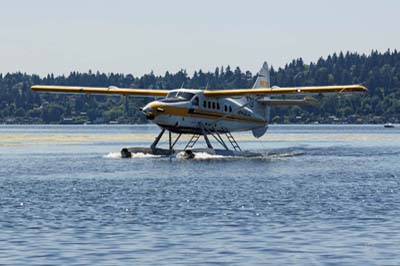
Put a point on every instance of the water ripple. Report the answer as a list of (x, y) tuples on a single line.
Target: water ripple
[(305, 203)]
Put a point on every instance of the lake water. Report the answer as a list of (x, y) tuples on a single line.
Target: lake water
[(320, 195)]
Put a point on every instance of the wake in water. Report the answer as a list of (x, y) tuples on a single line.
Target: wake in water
[(277, 153), (263, 155), (113, 155), (284, 155), (201, 156), (117, 155)]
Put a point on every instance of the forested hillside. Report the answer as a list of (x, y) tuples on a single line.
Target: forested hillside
[(379, 72)]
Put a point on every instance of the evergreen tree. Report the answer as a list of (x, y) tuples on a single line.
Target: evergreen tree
[(380, 72)]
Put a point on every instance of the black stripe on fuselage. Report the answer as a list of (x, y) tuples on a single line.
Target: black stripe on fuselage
[(246, 119), (196, 112)]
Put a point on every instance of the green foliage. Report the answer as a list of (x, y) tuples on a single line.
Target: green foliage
[(379, 72), (113, 114), (52, 113)]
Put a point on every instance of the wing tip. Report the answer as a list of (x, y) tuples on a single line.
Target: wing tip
[(37, 87), (359, 88)]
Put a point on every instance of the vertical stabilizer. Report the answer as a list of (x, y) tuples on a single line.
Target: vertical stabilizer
[(262, 81)]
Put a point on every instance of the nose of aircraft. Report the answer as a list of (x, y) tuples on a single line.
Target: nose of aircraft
[(148, 112)]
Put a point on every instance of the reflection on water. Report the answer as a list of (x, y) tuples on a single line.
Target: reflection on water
[(319, 195)]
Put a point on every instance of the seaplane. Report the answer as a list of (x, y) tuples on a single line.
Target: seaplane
[(211, 114)]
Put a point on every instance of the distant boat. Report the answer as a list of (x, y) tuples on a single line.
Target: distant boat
[(388, 125)]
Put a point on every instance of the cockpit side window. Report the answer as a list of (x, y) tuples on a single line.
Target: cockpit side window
[(187, 96), (172, 94), (195, 101), (178, 96)]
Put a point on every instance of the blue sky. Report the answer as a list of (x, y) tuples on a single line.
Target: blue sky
[(45, 36)]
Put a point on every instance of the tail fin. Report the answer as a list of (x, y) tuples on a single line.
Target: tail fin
[(262, 81)]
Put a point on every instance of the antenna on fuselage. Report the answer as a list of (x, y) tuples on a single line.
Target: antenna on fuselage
[(183, 83), (207, 85)]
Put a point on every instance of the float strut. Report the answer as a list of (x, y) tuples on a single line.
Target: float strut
[(205, 137), (176, 140), (154, 145), (170, 141)]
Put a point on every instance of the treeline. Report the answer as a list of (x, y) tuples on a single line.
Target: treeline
[(380, 72)]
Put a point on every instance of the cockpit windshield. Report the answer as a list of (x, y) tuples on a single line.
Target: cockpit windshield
[(179, 96)]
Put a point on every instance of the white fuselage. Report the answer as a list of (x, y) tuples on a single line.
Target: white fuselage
[(187, 111)]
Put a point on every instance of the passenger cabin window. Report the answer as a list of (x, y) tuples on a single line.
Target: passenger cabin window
[(225, 108), (213, 105), (230, 109), (204, 104), (209, 105), (218, 106)]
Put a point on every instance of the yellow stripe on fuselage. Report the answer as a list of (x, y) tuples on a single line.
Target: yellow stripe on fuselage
[(201, 113)]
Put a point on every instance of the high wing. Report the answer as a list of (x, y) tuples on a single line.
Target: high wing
[(94, 90), (208, 93), (289, 102), (290, 90)]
